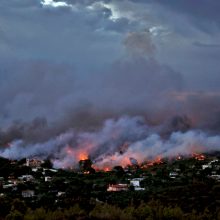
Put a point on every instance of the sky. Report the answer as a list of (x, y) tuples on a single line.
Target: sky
[(74, 63)]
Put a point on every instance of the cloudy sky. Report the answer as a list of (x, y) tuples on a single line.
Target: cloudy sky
[(78, 61)]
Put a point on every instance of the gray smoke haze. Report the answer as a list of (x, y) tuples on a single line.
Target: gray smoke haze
[(140, 43), (68, 67), (107, 148)]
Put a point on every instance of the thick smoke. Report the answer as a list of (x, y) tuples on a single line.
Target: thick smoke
[(44, 100), (114, 144), (79, 126), (89, 63), (140, 42)]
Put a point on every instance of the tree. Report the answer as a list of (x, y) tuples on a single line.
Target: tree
[(38, 214), (143, 212), (119, 171), (74, 212), (86, 165), (47, 201), (129, 213), (22, 161), (14, 215), (47, 164), (19, 206), (5, 206), (170, 213), (106, 212), (5, 167)]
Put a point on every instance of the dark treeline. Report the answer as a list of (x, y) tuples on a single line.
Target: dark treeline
[(151, 210)]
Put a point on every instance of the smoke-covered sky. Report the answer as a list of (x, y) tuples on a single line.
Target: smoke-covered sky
[(72, 64)]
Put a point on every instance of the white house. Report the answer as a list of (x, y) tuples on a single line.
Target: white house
[(6, 186), (27, 193), (206, 166), (26, 177), (136, 183), (173, 175), (60, 194), (47, 178), (216, 177)]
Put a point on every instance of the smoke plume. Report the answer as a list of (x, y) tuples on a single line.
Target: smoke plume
[(117, 142)]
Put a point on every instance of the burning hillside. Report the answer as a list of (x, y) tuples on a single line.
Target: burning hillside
[(128, 140)]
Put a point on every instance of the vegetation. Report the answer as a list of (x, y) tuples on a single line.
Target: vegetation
[(151, 210), (190, 194)]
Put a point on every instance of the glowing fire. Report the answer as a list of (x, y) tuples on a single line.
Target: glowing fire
[(82, 156), (179, 158), (125, 162), (157, 160), (106, 169), (76, 153), (120, 158), (199, 156)]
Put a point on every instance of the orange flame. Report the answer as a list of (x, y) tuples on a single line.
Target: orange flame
[(82, 156), (199, 156), (106, 169), (125, 162), (76, 153), (158, 160)]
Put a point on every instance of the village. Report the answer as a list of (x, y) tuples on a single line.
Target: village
[(34, 178), (34, 184)]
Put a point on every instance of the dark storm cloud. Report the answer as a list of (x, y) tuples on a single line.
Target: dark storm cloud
[(203, 45), (198, 10)]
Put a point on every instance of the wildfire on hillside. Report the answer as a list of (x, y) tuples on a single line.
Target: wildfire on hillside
[(198, 156), (83, 156), (179, 157), (121, 159), (75, 153), (157, 161), (126, 142)]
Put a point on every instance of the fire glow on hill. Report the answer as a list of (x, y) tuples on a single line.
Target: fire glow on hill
[(127, 140)]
